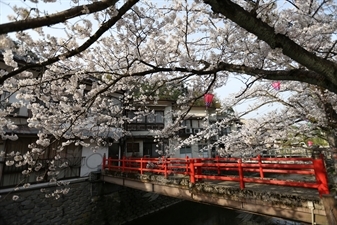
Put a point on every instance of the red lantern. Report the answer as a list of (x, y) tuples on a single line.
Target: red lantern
[(276, 85), (208, 99), (310, 143)]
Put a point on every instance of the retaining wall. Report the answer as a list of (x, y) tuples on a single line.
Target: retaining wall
[(87, 203)]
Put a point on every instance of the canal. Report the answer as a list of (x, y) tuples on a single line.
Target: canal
[(191, 213)]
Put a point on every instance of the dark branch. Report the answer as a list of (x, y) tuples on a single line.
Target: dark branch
[(325, 69), (105, 26), (55, 18), (301, 75), (247, 87)]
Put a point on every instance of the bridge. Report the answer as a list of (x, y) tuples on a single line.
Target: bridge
[(288, 188)]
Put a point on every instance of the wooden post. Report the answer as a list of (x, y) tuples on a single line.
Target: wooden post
[(260, 166), (141, 165)]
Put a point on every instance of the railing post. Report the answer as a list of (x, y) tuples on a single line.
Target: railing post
[(217, 164), (199, 169), (123, 164), (321, 175), (260, 166), (141, 165), (242, 184), (192, 172), (109, 163), (165, 167), (187, 164), (104, 161)]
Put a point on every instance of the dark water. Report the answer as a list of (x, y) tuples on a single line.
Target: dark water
[(191, 213)]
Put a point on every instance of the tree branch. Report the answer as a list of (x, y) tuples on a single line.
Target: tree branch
[(105, 26), (301, 75), (56, 17), (247, 87), (325, 69)]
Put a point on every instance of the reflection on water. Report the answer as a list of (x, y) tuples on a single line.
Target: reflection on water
[(191, 213)]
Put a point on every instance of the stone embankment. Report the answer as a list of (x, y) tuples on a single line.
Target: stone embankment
[(87, 203)]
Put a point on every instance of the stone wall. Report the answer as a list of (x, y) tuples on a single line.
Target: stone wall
[(87, 203)]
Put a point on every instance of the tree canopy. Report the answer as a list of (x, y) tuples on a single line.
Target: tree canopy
[(64, 65), (300, 32)]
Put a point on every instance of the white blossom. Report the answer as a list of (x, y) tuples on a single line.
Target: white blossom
[(9, 162), (78, 93)]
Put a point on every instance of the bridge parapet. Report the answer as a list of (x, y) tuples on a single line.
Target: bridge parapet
[(306, 172)]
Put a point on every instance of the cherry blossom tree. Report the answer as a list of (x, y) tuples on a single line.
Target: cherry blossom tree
[(105, 50), (303, 120), (301, 113)]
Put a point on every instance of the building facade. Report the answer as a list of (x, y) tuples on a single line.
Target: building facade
[(140, 140)]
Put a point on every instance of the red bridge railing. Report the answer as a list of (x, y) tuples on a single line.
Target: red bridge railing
[(231, 169)]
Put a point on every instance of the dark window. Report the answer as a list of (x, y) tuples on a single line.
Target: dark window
[(186, 150), (194, 123), (226, 130), (187, 123), (150, 149), (114, 150), (132, 147)]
